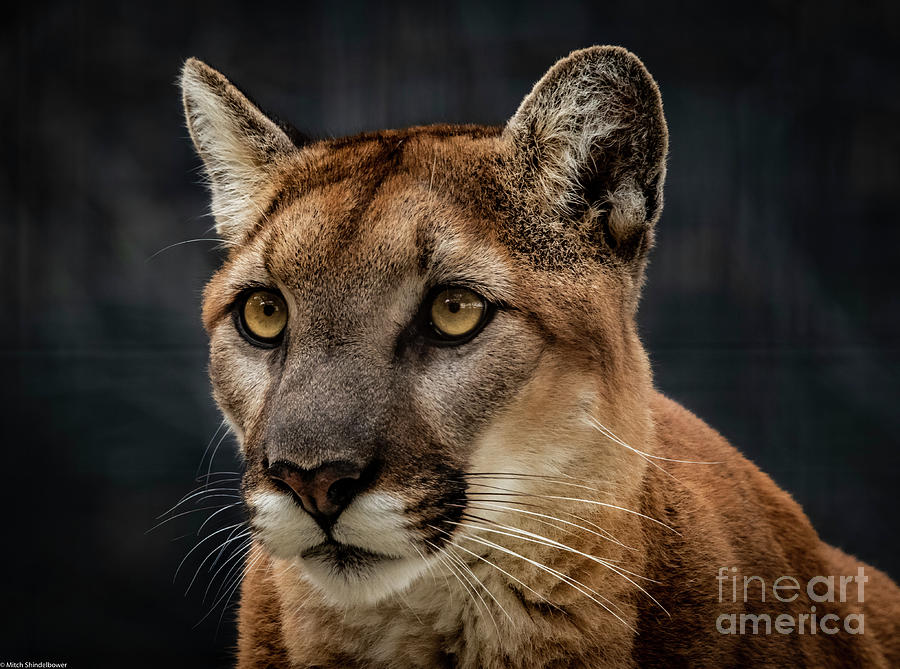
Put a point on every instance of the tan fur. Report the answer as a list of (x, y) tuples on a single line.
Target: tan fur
[(509, 529)]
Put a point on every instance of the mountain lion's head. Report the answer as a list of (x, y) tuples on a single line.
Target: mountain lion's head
[(412, 323)]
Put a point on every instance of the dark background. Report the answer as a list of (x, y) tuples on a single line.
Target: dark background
[(770, 311)]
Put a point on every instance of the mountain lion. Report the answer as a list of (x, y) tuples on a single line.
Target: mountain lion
[(425, 342)]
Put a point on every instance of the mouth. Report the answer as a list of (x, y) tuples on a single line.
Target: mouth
[(362, 560), (348, 575), (344, 557)]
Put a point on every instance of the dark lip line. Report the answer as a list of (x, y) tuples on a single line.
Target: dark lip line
[(329, 547)]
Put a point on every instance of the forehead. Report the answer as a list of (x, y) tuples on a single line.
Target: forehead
[(377, 215), (364, 213)]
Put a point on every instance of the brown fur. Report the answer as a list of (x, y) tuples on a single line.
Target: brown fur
[(550, 218)]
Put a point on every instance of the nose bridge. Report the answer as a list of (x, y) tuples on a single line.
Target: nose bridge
[(326, 408)]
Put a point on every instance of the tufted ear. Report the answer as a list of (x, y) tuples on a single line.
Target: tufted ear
[(590, 141), (239, 146)]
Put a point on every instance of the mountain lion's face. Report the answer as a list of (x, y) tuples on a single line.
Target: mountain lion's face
[(411, 322)]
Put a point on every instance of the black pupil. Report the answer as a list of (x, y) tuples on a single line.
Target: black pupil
[(453, 307), (268, 309)]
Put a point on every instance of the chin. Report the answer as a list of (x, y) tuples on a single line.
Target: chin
[(348, 576)]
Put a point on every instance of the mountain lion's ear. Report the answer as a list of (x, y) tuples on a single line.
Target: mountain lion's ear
[(590, 141), (237, 142)]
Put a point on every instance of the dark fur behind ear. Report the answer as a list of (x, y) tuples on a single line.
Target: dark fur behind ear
[(591, 144)]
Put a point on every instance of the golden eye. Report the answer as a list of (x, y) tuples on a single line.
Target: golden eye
[(457, 312), (264, 315)]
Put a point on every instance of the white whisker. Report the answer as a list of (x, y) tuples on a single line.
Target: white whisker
[(192, 495), (405, 602), (604, 532), (537, 538), (583, 501), (208, 445), (430, 566), (235, 568), (233, 587), (571, 582), (216, 508), (201, 542), (239, 552), (501, 570), (189, 241), (213, 515), (544, 515), (480, 582), (468, 584), (513, 477), (227, 541), (213, 456), (609, 433)]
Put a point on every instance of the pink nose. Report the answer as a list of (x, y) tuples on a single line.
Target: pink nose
[(324, 492)]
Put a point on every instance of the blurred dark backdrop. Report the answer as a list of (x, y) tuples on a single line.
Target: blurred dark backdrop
[(771, 307)]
